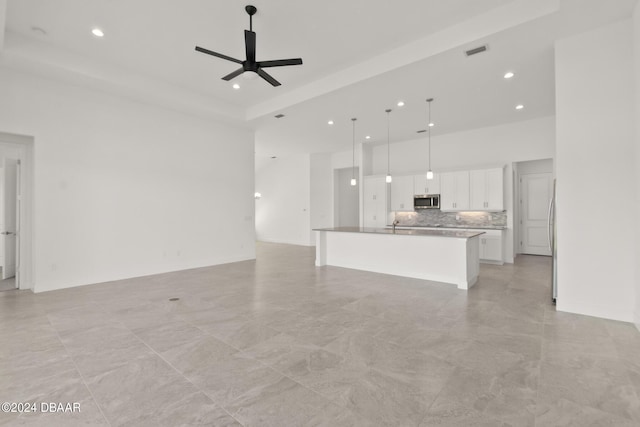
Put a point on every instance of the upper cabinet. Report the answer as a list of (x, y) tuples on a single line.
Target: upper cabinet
[(422, 185), (486, 189), (402, 193), (454, 191), (475, 190)]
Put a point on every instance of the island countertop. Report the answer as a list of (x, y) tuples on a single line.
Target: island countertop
[(405, 232)]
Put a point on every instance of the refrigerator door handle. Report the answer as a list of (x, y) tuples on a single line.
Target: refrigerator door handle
[(549, 225)]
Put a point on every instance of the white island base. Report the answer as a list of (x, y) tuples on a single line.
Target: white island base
[(441, 256)]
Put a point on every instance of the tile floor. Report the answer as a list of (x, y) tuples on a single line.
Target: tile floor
[(7, 284), (279, 342)]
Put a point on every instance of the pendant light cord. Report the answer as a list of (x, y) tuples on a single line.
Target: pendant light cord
[(353, 164), (388, 145), (429, 100), (429, 127)]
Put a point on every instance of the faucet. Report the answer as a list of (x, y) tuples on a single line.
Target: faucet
[(395, 222)]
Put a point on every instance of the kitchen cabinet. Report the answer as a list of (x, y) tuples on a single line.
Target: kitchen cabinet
[(491, 246), (454, 191), (375, 203), (486, 190), (402, 193), (422, 185)]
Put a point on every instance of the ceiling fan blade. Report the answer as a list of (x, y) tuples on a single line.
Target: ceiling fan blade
[(233, 75), (219, 55), (250, 45), (280, 62), (268, 78)]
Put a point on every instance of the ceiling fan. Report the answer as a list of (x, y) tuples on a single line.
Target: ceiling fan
[(250, 66)]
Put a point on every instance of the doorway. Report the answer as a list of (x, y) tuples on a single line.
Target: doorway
[(9, 222), (346, 198), (16, 153), (535, 188)]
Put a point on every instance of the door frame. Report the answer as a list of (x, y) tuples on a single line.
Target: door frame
[(521, 168), (523, 189), (22, 147)]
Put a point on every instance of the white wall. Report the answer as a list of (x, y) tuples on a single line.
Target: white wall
[(636, 55), (497, 145), (125, 189), (283, 212), (595, 156), (321, 187)]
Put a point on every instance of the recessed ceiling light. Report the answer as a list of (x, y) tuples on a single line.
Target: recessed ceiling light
[(400, 103), (236, 86), (431, 124), (519, 107), (330, 122), (508, 75), (97, 32), (367, 137)]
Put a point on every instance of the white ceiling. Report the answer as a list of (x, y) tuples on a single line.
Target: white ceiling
[(156, 38), (360, 57)]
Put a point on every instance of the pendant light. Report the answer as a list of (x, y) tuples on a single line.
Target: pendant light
[(429, 127), (388, 178), (353, 165)]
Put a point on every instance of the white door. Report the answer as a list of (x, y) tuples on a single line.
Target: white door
[(8, 209), (536, 192)]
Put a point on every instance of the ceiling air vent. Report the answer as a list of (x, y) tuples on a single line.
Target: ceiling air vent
[(421, 131), (476, 50), (279, 116)]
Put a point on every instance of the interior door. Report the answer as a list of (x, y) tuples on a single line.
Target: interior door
[(536, 192), (8, 209)]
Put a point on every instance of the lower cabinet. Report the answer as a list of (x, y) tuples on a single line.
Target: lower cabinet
[(491, 243), (491, 248)]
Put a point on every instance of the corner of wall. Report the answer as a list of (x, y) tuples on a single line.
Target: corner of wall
[(636, 53)]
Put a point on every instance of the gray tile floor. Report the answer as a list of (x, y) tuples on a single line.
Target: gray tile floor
[(8, 284), (280, 342)]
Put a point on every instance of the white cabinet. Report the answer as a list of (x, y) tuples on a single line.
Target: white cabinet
[(402, 193), (486, 190), (491, 246), (454, 191), (375, 204), (422, 185)]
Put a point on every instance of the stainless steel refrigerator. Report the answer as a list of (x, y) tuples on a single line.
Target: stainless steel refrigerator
[(553, 244)]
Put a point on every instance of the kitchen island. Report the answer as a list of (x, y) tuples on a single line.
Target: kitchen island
[(447, 256)]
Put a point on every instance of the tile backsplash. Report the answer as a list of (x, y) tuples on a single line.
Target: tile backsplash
[(435, 217)]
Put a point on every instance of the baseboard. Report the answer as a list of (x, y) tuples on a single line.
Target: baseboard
[(285, 242), (95, 281), (601, 311)]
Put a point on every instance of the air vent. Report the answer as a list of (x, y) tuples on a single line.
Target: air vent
[(279, 116), (421, 131), (476, 50)]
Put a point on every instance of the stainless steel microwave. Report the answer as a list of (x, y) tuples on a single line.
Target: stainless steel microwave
[(426, 201)]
